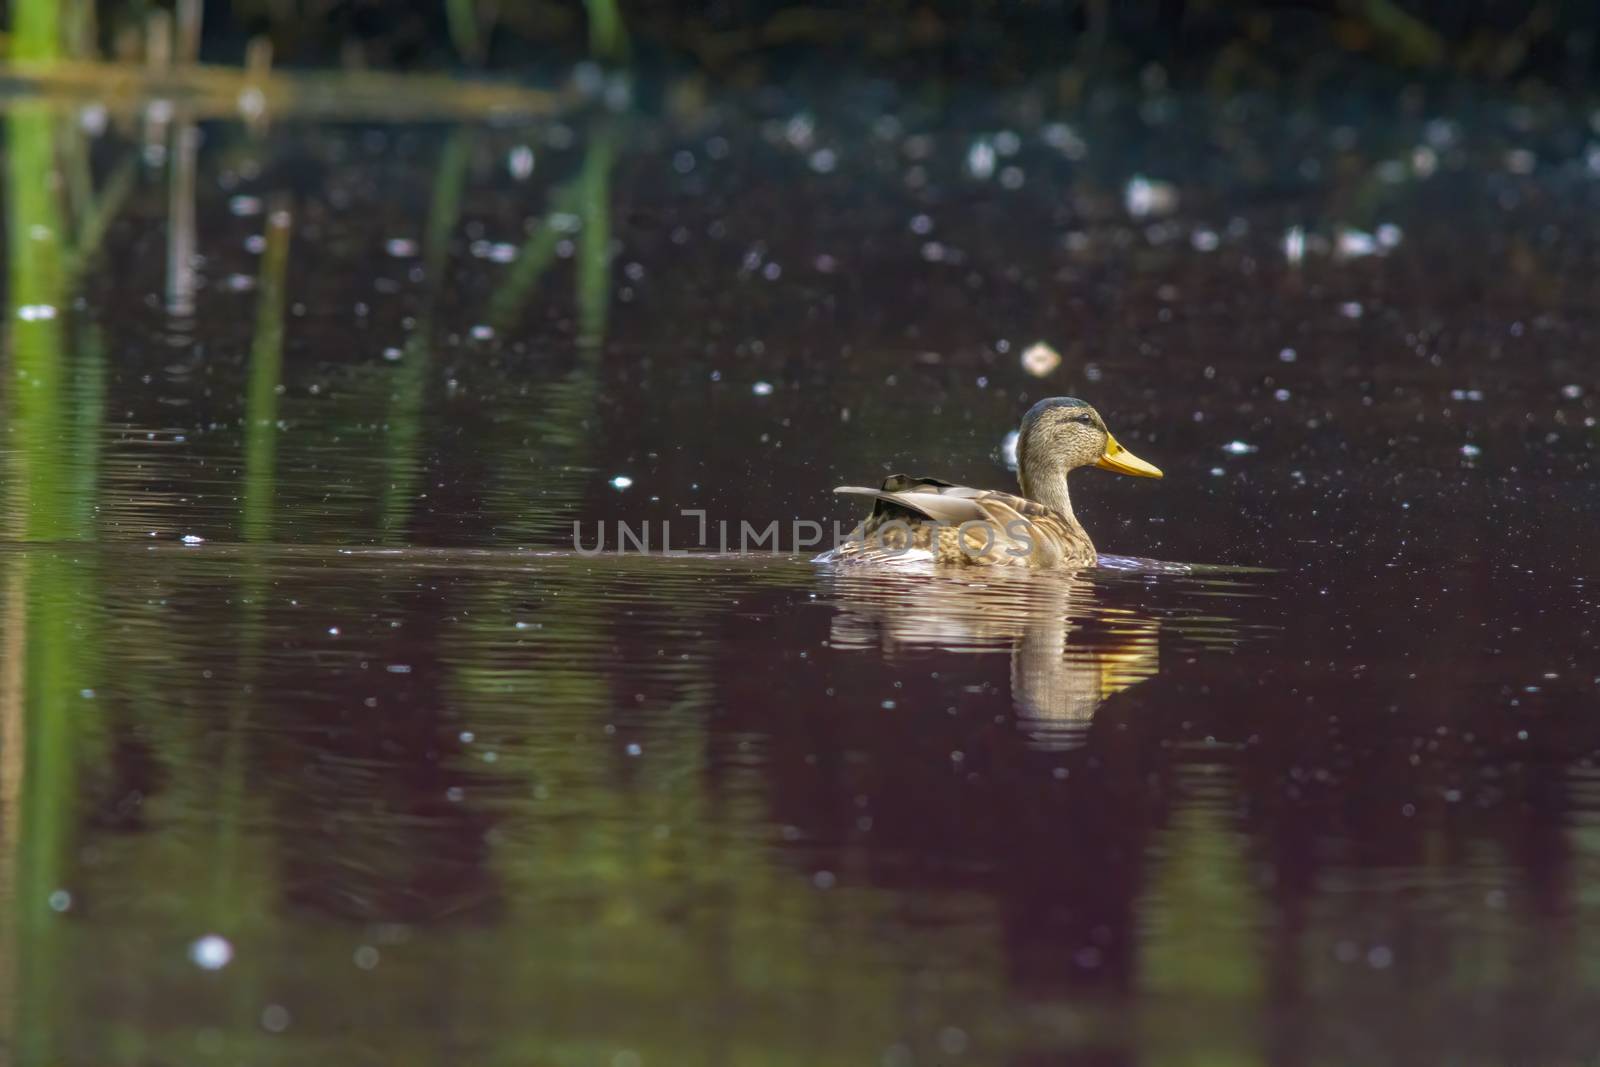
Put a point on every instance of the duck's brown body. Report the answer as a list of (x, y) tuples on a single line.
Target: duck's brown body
[(952, 524), (929, 519)]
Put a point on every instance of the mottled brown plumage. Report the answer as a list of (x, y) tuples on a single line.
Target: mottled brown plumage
[(922, 518)]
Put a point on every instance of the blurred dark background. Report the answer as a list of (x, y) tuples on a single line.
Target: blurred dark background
[(1224, 44)]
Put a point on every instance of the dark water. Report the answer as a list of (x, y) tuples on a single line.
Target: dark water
[(374, 768)]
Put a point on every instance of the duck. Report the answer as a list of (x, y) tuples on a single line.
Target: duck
[(916, 519)]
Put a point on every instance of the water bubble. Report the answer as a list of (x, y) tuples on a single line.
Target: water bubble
[(1239, 448), (824, 160), (1351, 309), (800, 131), (519, 161), (366, 957), (1294, 245), (92, 119), (1471, 451), (1353, 244), (1143, 196), (824, 880), (1287, 355), (60, 900), (762, 388), (1205, 240), (483, 333), (400, 247), (1039, 359), (252, 102), (193, 539), (1572, 392), (36, 312), (1008, 450), (981, 159), (211, 952), (1065, 139), (275, 1018), (635, 749), (621, 481)]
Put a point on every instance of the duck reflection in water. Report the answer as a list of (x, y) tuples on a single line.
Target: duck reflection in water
[(1070, 651)]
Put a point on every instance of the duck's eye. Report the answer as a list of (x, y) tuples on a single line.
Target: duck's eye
[(1085, 419)]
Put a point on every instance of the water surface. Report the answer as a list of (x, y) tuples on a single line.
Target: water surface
[(318, 740)]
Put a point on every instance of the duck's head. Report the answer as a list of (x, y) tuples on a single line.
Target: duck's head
[(1063, 433)]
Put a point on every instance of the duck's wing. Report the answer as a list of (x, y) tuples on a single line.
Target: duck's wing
[(886, 507), (906, 498)]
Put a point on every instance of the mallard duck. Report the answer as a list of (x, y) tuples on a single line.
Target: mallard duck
[(925, 518)]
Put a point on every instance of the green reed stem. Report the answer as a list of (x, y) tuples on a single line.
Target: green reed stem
[(608, 36), (463, 22), (404, 421), (266, 373), (35, 29)]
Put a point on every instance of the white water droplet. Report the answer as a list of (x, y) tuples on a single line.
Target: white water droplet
[(211, 952), (1039, 359)]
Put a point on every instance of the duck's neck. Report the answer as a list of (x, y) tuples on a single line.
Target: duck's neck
[(1048, 487)]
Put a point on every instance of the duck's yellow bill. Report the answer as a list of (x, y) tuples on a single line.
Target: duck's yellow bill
[(1119, 459)]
